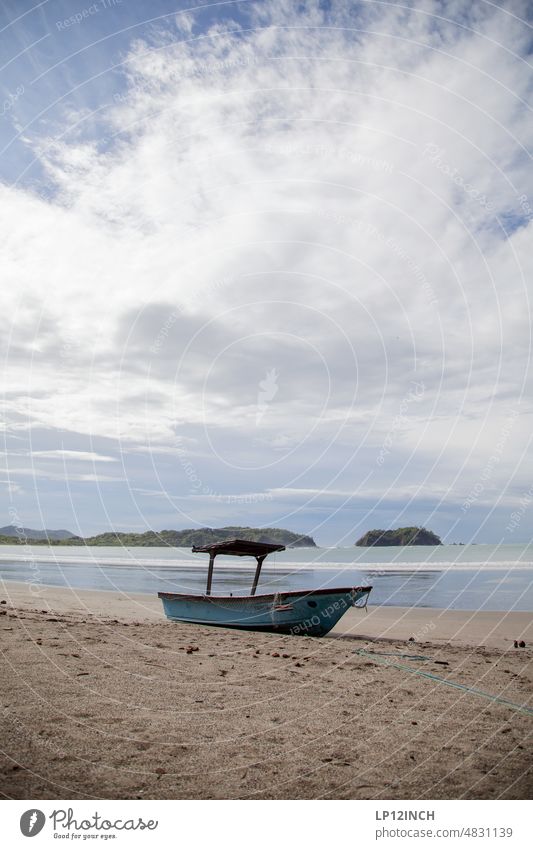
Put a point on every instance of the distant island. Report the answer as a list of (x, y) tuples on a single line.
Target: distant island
[(172, 539), (399, 536), (31, 533)]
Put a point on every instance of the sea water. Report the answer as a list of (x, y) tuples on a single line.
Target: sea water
[(470, 577)]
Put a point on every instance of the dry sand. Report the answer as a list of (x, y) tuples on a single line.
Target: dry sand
[(102, 697)]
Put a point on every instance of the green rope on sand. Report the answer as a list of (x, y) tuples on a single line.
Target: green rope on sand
[(473, 690), (400, 654)]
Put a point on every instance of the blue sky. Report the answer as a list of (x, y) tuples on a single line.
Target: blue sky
[(268, 264)]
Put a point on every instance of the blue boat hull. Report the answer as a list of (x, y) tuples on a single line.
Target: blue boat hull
[(305, 613)]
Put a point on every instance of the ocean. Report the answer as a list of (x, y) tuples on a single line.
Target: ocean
[(470, 577)]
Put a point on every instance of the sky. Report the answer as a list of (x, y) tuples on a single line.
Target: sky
[(267, 264)]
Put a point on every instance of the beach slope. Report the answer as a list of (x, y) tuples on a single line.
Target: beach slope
[(103, 698)]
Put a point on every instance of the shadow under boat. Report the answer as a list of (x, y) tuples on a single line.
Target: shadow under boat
[(299, 612)]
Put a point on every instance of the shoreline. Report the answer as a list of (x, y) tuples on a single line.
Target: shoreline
[(104, 698), (493, 628)]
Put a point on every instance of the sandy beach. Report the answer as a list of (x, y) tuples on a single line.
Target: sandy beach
[(102, 697)]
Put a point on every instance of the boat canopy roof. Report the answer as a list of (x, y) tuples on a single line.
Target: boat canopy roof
[(239, 547)]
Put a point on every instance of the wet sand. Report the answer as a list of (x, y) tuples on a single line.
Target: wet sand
[(102, 697)]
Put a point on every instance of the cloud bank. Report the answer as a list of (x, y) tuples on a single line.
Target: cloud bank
[(281, 275)]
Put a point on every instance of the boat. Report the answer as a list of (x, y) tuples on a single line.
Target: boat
[(299, 612)]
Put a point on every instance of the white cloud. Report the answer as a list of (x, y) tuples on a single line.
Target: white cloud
[(81, 456), (309, 196)]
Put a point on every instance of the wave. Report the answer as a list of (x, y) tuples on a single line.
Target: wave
[(132, 562)]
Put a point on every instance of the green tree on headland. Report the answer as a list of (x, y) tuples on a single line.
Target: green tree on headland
[(186, 538), (399, 536)]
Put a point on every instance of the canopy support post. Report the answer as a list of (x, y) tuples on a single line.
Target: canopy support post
[(210, 573), (257, 572)]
